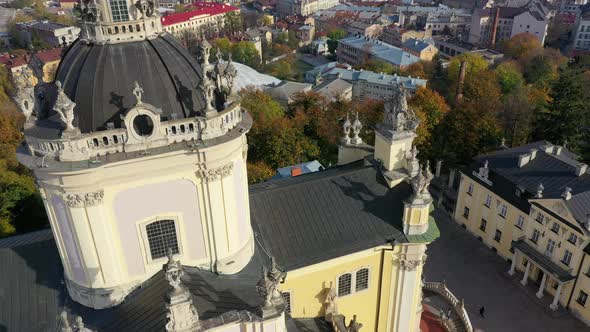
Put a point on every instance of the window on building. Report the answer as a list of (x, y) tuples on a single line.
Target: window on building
[(555, 228), (498, 235), (287, 298), (503, 210), (119, 10), (466, 212), (482, 225), (582, 298), (535, 237), (520, 221), (540, 218), (470, 189), (573, 238), (344, 284), (488, 201), (161, 236), (550, 247), (362, 279), (567, 257)]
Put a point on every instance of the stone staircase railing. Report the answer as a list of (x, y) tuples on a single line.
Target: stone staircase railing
[(458, 305)]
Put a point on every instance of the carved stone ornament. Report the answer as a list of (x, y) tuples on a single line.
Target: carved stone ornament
[(357, 126), (214, 174), (64, 106), (397, 114), (420, 183), (266, 289), (173, 271), (181, 313), (408, 264), (138, 93), (346, 127), (25, 95), (79, 200), (277, 276), (146, 8)]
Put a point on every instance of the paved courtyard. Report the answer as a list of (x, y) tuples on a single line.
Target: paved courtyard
[(473, 272)]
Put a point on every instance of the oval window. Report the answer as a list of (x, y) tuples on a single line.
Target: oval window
[(143, 125)]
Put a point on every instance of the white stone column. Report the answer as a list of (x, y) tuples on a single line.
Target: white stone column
[(525, 278), (555, 303), (513, 266), (542, 286)]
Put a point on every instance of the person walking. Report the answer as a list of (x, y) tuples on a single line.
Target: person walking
[(482, 311)]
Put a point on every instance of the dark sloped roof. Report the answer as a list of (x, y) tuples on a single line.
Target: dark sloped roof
[(32, 293), (99, 79), (319, 216), (555, 172)]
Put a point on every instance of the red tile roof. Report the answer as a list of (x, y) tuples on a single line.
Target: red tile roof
[(203, 8), (49, 55), (12, 61)]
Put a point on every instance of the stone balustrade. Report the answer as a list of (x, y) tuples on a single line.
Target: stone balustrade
[(458, 305), (87, 146)]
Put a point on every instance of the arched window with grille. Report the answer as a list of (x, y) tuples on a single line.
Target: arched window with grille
[(345, 284), (161, 236), (362, 279)]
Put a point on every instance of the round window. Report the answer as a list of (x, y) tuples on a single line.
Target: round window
[(143, 125)]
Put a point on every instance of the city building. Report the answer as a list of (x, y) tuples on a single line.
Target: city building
[(357, 28), (55, 34), (303, 32), (423, 50), (44, 64), (441, 19), (356, 50), (365, 83), (286, 90), (320, 46), (7, 15), (303, 7), (450, 47), (207, 16), (396, 35), (530, 204), (335, 89), (490, 26), (140, 161), (581, 31)]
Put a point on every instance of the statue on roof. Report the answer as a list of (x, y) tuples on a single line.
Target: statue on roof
[(397, 113), (266, 289), (357, 126), (25, 92), (277, 276), (354, 326), (138, 93), (346, 127), (224, 76), (145, 7), (181, 314), (64, 106), (420, 183)]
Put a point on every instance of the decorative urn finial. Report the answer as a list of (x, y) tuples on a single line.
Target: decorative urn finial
[(356, 130), (138, 93)]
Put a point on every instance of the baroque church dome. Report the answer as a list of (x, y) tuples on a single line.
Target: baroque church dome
[(99, 79)]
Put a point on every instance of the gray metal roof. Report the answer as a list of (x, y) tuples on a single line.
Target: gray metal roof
[(99, 79), (318, 216), (33, 294)]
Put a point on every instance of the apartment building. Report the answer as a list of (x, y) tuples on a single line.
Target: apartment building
[(396, 35), (55, 34), (531, 205), (303, 7), (206, 15), (581, 32), (356, 50), (490, 26)]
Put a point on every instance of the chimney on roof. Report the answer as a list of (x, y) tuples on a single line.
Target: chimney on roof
[(557, 150), (296, 171), (581, 169), (547, 148)]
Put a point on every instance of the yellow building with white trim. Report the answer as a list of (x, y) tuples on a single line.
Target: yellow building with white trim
[(529, 204)]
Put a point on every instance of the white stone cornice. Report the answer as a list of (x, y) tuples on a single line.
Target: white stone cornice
[(214, 174), (79, 200)]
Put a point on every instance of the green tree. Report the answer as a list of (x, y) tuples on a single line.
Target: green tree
[(232, 22), (378, 66), (520, 45), (540, 72), (259, 172), (569, 113), (430, 108), (509, 77), (475, 64), (245, 52), (334, 36)]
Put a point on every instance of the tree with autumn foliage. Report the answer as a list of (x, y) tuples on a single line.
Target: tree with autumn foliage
[(430, 108), (520, 45)]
